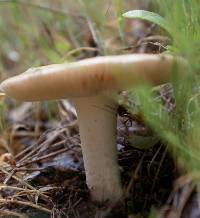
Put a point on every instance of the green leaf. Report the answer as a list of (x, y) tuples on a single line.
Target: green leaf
[(149, 16)]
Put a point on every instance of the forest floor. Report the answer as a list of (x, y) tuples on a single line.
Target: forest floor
[(41, 168)]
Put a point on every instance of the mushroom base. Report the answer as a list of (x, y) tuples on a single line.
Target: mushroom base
[(97, 126)]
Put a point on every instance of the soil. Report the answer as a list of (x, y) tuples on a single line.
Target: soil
[(147, 174)]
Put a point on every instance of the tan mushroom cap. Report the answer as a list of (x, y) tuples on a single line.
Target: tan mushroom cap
[(89, 77)]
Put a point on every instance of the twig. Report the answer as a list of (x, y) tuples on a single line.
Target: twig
[(185, 195), (11, 187), (9, 176), (31, 146), (78, 50), (134, 176), (26, 184), (10, 213), (156, 176), (28, 169), (154, 157), (44, 157), (91, 27), (18, 179), (49, 140), (6, 201), (158, 170), (21, 189)]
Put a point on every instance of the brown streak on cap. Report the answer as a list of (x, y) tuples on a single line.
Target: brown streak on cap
[(89, 77)]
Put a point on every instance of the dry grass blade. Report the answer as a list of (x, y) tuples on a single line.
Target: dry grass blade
[(133, 177), (76, 50), (29, 148), (10, 213), (11, 187), (23, 190), (6, 201), (44, 157), (29, 169), (18, 179), (26, 184), (50, 139)]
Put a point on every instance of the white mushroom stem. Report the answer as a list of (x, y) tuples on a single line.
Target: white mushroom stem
[(97, 126), (85, 81)]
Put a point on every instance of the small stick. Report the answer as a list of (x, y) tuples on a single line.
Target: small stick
[(30, 147), (18, 179), (44, 157), (5, 201), (10, 213), (40, 146)]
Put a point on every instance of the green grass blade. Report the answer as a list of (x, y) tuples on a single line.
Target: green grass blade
[(149, 16)]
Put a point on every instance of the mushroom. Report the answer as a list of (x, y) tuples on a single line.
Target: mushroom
[(91, 83)]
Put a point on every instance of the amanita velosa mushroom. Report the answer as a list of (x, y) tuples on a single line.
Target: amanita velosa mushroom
[(91, 83)]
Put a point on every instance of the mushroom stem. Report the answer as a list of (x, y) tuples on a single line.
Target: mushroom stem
[(97, 126)]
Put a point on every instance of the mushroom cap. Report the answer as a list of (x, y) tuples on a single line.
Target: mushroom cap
[(90, 76)]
